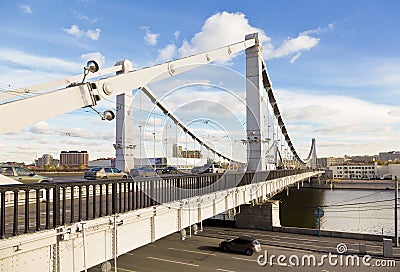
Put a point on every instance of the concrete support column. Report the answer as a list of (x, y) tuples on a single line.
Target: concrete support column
[(254, 111), (124, 133), (261, 216)]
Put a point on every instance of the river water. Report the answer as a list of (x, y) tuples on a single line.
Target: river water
[(358, 211)]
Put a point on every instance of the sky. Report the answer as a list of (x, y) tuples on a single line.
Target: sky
[(334, 66)]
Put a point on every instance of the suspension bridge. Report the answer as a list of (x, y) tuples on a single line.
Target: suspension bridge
[(72, 226)]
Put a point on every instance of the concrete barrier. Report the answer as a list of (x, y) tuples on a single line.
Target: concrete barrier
[(336, 234)]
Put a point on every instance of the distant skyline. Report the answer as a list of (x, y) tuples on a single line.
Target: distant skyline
[(334, 66)]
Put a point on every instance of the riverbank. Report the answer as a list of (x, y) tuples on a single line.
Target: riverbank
[(61, 174), (351, 184)]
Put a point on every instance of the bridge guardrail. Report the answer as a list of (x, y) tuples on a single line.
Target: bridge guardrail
[(34, 207)]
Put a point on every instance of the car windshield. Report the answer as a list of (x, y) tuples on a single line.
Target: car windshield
[(255, 242), (7, 171), (115, 170), (23, 172), (95, 169)]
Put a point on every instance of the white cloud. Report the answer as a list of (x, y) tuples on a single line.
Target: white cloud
[(176, 35), (96, 56), (362, 127), (34, 62), (295, 57), (150, 38), (214, 34), (319, 30), (25, 69), (395, 112), (85, 18), (93, 34), (26, 9), (74, 30), (294, 46), (41, 127), (166, 53)]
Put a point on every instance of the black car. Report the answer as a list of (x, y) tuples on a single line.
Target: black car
[(170, 170), (244, 244)]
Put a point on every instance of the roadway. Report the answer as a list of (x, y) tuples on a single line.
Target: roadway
[(201, 253)]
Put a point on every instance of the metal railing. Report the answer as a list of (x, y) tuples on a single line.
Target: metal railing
[(35, 207)]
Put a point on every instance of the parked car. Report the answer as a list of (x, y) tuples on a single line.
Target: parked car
[(244, 244), (208, 168), (170, 170), (144, 171), (105, 173), (23, 175)]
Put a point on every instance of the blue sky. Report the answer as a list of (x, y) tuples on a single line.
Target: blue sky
[(334, 65)]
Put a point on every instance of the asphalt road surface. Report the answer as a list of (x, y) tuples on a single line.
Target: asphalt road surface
[(201, 253)]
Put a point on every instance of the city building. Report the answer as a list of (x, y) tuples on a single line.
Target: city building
[(102, 162), (354, 171), (74, 159), (389, 156), (361, 159), (389, 171), (47, 160), (178, 152), (326, 162)]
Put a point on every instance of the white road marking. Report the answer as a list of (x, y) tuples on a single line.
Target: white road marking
[(192, 251), (224, 270), (243, 259), (171, 261)]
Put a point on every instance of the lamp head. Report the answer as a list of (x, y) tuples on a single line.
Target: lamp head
[(108, 115), (91, 66)]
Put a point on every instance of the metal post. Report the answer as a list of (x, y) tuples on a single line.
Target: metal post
[(15, 218), (72, 205), (37, 209), (26, 211), (3, 215), (396, 234), (56, 206)]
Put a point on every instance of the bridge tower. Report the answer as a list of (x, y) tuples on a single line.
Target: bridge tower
[(256, 160), (124, 146), (314, 164)]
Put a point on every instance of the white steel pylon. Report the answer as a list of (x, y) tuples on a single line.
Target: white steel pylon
[(254, 109)]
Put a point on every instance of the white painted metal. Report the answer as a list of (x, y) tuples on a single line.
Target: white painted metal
[(35, 89), (256, 160), (124, 146), (62, 249), (67, 99)]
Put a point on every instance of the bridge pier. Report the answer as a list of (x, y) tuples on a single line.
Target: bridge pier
[(105, 267), (262, 216)]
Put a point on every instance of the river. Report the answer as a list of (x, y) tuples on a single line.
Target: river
[(358, 211)]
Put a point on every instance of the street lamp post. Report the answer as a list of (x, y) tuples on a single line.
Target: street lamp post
[(154, 149), (396, 196)]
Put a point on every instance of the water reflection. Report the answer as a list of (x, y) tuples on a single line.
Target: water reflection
[(359, 211)]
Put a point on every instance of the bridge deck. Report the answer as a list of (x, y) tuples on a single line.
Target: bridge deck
[(35, 207)]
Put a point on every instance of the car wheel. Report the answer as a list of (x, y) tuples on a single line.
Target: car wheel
[(105, 177), (225, 248), (249, 252), (124, 177)]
